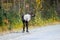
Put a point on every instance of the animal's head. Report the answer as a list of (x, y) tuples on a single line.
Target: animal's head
[(32, 14)]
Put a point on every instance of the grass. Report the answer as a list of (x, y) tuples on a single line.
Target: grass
[(18, 26)]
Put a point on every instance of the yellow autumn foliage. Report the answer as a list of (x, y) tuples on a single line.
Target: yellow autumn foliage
[(38, 1)]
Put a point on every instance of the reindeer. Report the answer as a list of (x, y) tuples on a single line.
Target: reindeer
[(25, 19)]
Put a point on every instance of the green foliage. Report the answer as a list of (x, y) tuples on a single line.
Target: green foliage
[(44, 13), (1, 21), (1, 16)]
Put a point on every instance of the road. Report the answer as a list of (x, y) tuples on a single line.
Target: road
[(51, 32)]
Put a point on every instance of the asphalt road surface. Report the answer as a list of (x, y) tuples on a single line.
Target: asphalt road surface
[(50, 32)]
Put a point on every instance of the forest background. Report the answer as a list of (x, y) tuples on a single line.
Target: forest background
[(46, 12)]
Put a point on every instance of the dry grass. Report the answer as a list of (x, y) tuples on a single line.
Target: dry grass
[(18, 27)]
